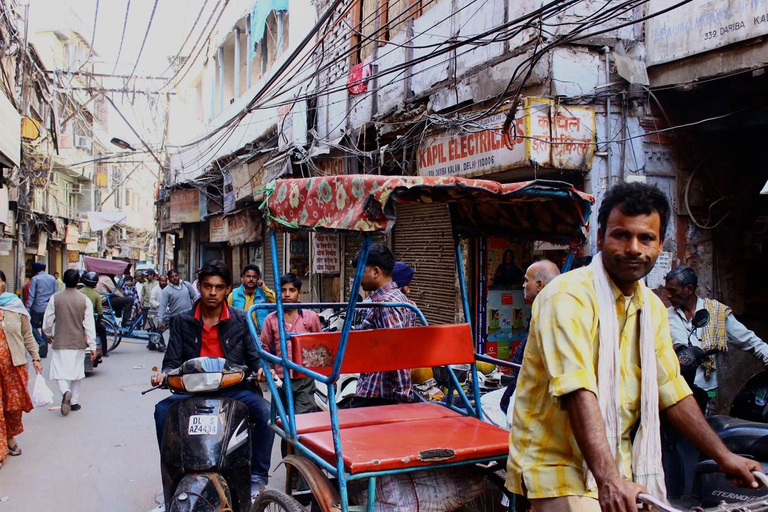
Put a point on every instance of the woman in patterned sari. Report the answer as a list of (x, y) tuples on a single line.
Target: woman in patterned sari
[(15, 340)]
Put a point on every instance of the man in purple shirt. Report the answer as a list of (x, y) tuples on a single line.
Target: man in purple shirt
[(381, 388)]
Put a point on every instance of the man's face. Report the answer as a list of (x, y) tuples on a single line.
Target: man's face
[(371, 277), (163, 280), (250, 278), (630, 246), (531, 287), (678, 295), (213, 291), (290, 293), (174, 278)]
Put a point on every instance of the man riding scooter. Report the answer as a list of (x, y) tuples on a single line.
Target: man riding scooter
[(212, 329)]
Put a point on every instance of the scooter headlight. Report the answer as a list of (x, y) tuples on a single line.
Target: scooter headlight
[(197, 382)]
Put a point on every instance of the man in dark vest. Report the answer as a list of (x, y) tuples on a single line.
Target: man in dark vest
[(68, 322)]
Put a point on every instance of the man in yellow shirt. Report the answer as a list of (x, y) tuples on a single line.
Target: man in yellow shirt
[(570, 446), (252, 291)]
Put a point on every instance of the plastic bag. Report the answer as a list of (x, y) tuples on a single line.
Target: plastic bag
[(41, 393)]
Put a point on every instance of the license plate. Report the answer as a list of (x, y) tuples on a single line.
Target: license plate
[(203, 425)]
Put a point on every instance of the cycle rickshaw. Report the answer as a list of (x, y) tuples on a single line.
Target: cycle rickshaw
[(338, 450)]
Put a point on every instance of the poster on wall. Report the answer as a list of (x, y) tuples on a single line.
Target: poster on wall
[(244, 227), (327, 254)]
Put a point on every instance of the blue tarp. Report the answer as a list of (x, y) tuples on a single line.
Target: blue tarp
[(259, 15)]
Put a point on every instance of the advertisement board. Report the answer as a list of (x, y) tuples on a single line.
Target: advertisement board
[(327, 254), (185, 206)]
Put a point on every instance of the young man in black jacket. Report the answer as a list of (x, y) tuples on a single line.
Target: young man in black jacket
[(213, 329)]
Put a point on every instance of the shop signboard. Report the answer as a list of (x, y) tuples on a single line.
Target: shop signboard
[(165, 217), (42, 244), (73, 236), (185, 206), (700, 26), (257, 170), (241, 182), (218, 229), (6, 246), (326, 252), (229, 193), (244, 227), (543, 133), (10, 133)]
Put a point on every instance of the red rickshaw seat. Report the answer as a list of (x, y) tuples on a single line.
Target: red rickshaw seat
[(367, 416), (413, 444)]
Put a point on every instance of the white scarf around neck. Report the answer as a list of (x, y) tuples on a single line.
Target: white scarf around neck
[(647, 468)]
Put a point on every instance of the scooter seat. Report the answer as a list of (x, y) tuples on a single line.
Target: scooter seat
[(742, 436)]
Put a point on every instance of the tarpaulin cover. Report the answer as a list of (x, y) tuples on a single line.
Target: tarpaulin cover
[(102, 266), (259, 15), (365, 203)]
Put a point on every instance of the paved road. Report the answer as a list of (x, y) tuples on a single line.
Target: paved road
[(103, 458)]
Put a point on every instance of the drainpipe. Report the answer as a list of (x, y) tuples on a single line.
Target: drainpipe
[(608, 116)]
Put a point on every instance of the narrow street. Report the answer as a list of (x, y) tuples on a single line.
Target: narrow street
[(103, 458)]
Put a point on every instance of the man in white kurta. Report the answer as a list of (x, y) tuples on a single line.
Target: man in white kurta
[(69, 323)]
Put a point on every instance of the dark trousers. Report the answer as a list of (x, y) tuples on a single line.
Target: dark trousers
[(679, 457), (101, 333), (122, 306), (262, 436), (36, 319)]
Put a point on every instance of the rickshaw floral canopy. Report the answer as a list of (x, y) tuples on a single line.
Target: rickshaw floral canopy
[(365, 203)]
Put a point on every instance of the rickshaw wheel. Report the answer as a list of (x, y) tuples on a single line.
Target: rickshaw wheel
[(273, 500), (113, 335)]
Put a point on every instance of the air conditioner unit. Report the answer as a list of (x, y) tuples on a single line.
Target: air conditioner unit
[(82, 142), (76, 188)]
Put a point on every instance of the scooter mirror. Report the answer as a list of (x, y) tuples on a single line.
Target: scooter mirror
[(700, 318)]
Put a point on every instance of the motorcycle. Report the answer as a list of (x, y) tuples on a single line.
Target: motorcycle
[(345, 387), (744, 432), (205, 453)]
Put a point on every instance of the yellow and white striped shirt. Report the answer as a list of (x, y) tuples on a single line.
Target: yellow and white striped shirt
[(561, 357)]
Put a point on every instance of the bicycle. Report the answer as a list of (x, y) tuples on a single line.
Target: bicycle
[(135, 330)]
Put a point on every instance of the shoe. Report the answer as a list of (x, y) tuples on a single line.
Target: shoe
[(66, 403), (104, 354), (256, 489), (75, 407), (14, 451)]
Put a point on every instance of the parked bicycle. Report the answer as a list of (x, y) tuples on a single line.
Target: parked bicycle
[(142, 327)]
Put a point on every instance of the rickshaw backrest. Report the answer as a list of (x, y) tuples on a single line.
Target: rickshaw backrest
[(381, 350)]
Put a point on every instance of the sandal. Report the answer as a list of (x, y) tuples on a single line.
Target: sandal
[(14, 451)]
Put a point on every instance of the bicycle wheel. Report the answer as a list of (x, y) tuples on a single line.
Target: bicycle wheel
[(274, 501), (113, 335)]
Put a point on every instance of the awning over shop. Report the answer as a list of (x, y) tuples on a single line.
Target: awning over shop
[(543, 209)]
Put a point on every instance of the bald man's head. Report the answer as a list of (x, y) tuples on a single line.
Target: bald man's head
[(538, 275)]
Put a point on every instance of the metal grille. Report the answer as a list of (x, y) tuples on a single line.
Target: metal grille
[(423, 239)]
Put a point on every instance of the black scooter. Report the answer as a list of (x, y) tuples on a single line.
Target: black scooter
[(205, 454)]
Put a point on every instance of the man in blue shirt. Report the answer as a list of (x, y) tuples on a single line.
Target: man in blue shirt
[(41, 289)]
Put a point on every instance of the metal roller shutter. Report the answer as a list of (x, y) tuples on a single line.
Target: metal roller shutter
[(423, 238), (268, 276)]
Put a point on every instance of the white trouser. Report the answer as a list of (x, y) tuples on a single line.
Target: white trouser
[(70, 385)]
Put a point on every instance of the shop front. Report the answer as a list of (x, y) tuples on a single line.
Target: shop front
[(546, 140)]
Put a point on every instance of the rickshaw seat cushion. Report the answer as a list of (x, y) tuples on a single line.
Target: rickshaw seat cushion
[(367, 416), (380, 447), (383, 350)]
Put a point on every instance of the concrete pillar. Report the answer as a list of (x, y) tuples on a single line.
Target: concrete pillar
[(237, 62), (212, 75), (221, 78)]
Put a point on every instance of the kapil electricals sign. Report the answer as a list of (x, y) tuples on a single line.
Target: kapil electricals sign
[(543, 133), (700, 26)]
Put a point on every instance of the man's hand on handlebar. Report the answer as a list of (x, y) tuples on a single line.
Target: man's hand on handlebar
[(158, 379), (260, 377), (740, 469), (619, 495)]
